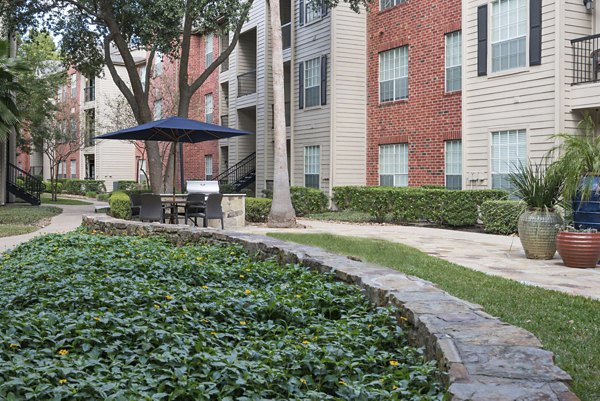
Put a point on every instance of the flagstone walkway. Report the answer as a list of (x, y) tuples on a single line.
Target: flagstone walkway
[(491, 254)]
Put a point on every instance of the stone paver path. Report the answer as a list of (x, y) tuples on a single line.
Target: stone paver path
[(68, 220), (492, 254)]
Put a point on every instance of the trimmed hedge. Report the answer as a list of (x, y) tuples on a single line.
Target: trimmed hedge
[(125, 185), (308, 200), (120, 205), (48, 186), (501, 217), (103, 197), (257, 209), (81, 187), (411, 205)]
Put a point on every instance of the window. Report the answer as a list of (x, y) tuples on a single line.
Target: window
[(453, 61), (509, 34), (73, 168), (142, 179), (208, 108), (208, 50), (393, 74), (158, 64), (312, 166), (73, 127), (142, 73), (385, 4), (454, 164), (208, 171), (393, 165), (508, 152), (312, 82), (62, 169), (313, 10), (157, 109), (73, 85)]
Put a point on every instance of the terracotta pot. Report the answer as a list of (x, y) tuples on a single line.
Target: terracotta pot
[(537, 232), (578, 249)]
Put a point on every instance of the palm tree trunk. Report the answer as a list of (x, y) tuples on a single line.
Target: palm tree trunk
[(282, 212)]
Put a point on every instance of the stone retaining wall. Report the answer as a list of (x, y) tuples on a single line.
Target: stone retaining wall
[(485, 358)]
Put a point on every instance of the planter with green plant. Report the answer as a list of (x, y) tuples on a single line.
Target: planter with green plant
[(578, 247), (539, 187)]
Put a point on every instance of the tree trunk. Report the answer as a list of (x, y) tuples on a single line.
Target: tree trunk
[(282, 212)]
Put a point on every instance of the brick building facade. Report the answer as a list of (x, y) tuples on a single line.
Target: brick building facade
[(413, 92)]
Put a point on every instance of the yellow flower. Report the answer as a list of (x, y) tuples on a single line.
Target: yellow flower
[(214, 333), (204, 321), (169, 298), (232, 253), (298, 296), (305, 342), (342, 382), (248, 270), (404, 319), (394, 363), (199, 258), (157, 306), (394, 387), (205, 287), (63, 352), (97, 318), (247, 292), (241, 276), (302, 381), (14, 345), (62, 381), (243, 323)]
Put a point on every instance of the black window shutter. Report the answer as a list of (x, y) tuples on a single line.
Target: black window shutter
[(301, 13), (301, 85), (535, 32), (324, 8), (323, 80), (482, 40)]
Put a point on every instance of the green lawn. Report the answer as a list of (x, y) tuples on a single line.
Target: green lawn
[(567, 325), (344, 215), (17, 219), (47, 199), (8, 230)]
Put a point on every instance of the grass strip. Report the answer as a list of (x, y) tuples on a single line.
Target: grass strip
[(567, 325), (8, 230), (20, 214), (47, 199)]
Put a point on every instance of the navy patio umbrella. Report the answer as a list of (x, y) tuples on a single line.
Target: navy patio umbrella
[(175, 129)]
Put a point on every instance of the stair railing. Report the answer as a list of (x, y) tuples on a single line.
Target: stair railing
[(238, 171), (27, 183)]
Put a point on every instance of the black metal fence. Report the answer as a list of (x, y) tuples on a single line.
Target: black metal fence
[(586, 59), (246, 83)]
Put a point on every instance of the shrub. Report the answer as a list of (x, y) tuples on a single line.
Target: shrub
[(120, 205), (257, 209), (91, 194), (308, 200), (80, 187), (94, 186), (103, 197), (127, 185), (48, 187), (501, 217), (412, 205), (226, 188)]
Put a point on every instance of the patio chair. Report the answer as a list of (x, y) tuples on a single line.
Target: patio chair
[(136, 205), (194, 207), (213, 210), (152, 208)]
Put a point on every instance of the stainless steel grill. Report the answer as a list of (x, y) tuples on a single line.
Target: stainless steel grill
[(202, 187)]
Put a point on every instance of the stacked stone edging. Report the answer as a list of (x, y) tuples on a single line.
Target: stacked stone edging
[(485, 359)]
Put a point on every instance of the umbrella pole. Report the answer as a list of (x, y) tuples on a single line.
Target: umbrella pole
[(174, 168)]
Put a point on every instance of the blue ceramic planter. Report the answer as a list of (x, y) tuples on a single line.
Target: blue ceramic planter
[(586, 214)]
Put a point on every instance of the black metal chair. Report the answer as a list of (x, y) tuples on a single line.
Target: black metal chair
[(194, 207), (136, 205), (152, 208)]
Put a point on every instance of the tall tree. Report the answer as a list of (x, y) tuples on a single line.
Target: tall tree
[(9, 87), (91, 30)]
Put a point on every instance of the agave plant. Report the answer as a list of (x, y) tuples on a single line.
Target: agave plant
[(539, 185)]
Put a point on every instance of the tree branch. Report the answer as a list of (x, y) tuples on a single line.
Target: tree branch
[(118, 80)]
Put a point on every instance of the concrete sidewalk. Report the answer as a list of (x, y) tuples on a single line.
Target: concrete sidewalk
[(491, 254), (68, 220)]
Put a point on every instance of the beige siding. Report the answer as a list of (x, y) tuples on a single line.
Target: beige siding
[(349, 100)]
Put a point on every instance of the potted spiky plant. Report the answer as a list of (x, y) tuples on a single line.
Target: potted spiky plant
[(539, 187)]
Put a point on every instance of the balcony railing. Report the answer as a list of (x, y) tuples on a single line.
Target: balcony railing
[(586, 59), (286, 35), (89, 138), (90, 93), (288, 115), (225, 121), (246, 83)]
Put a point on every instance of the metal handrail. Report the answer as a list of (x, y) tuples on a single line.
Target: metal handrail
[(584, 38), (238, 171), (586, 59), (29, 184)]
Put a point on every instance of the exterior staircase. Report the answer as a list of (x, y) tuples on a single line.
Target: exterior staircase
[(241, 174), (24, 185)]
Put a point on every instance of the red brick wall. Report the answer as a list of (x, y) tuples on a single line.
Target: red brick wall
[(429, 115)]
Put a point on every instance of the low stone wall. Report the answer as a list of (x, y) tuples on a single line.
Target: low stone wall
[(234, 212), (485, 359)]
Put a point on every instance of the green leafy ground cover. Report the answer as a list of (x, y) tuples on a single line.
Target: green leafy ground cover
[(47, 199), (17, 219), (567, 325), (90, 317)]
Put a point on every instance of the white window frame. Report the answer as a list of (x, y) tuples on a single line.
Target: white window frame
[(73, 85), (386, 4), (398, 167), (453, 56), (208, 50), (73, 168), (208, 167), (158, 64), (519, 140), (208, 106), (141, 171), (452, 159), (493, 21), (314, 16), (312, 164), (397, 74), (157, 109), (318, 78)]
